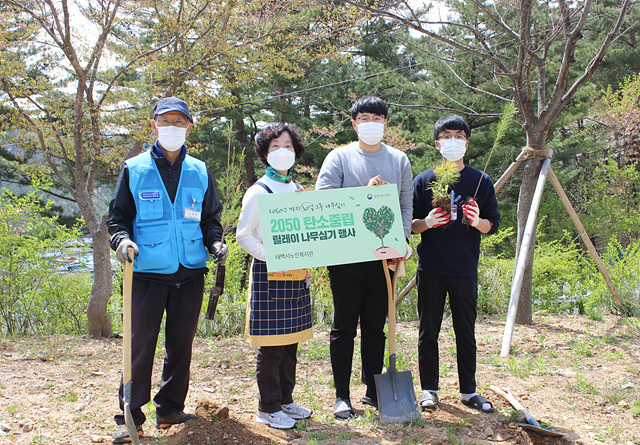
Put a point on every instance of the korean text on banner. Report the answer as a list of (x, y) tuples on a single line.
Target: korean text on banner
[(329, 227)]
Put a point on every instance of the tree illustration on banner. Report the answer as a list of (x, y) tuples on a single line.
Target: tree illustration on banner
[(379, 221)]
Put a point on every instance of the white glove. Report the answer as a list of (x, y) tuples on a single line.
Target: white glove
[(472, 212), (221, 252), (436, 217), (122, 252)]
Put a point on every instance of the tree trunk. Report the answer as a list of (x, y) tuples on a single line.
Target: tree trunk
[(527, 188), (241, 134), (98, 319)]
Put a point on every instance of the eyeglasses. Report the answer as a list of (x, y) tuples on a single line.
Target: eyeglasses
[(167, 123), (370, 118), (446, 137)]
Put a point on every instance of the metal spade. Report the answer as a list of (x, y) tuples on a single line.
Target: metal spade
[(396, 395)]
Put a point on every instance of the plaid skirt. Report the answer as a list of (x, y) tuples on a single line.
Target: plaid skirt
[(278, 311)]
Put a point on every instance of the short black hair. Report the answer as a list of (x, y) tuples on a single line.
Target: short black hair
[(273, 131), (369, 104), (451, 122)]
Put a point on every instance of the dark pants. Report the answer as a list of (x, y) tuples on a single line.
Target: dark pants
[(463, 297), (359, 293), (276, 375), (149, 302)]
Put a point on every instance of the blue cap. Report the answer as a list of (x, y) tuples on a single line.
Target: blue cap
[(167, 104)]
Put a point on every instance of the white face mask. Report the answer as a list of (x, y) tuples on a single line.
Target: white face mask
[(172, 138), (282, 159), (453, 149), (371, 133)]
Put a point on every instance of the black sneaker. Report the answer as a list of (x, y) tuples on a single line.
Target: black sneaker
[(173, 419), (122, 434)]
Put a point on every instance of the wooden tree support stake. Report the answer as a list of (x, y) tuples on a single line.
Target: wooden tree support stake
[(516, 284), (406, 289)]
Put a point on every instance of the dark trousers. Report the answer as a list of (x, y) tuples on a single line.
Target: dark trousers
[(463, 298), (276, 375), (149, 301), (359, 293)]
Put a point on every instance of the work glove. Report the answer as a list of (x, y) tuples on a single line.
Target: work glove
[(436, 218), (221, 252), (472, 212), (122, 253)]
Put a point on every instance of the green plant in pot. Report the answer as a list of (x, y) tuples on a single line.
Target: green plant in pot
[(447, 175)]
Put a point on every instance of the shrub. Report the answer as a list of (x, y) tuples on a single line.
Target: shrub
[(66, 296), (494, 274), (623, 267), (230, 312), (559, 270), (33, 299), (494, 285)]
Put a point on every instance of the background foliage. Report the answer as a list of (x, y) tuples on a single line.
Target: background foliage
[(304, 63), (36, 297)]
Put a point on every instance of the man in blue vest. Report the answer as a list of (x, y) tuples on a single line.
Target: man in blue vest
[(166, 208)]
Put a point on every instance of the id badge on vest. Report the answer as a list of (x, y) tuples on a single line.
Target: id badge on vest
[(191, 213)]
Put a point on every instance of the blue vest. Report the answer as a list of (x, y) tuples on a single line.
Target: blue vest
[(165, 237)]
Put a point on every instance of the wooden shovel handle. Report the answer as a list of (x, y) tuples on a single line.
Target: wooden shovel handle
[(512, 400), (391, 314), (127, 284)]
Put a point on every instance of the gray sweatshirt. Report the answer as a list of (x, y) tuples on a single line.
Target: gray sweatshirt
[(350, 166)]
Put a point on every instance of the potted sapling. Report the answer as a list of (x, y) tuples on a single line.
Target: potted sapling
[(447, 175)]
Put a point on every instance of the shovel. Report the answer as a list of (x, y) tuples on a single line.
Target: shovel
[(532, 424), (396, 396), (127, 282)]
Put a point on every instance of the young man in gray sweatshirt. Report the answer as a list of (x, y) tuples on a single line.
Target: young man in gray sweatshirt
[(360, 289)]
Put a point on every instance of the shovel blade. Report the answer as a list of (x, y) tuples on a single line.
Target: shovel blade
[(131, 426), (539, 429), (396, 397)]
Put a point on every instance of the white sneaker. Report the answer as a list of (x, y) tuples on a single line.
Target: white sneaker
[(277, 420), (296, 412)]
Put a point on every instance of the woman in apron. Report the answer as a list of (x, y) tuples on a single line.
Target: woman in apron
[(279, 305)]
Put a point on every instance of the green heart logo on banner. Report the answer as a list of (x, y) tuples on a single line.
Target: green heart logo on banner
[(379, 221)]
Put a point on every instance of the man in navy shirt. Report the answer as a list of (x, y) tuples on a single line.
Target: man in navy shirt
[(448, 262)]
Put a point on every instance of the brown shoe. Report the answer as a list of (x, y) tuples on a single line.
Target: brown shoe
[(173, 419)]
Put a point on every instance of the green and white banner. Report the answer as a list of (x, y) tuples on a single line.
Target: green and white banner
[(329, 227)]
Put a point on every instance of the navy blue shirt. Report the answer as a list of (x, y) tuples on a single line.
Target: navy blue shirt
[(454, 250)]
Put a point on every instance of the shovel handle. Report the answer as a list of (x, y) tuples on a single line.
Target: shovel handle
[(127, 284), (391, 314), (512, 400)]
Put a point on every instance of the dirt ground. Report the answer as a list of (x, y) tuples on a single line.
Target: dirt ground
[(575, 375)]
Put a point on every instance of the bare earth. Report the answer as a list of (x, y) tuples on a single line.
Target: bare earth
[(575, 375)]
